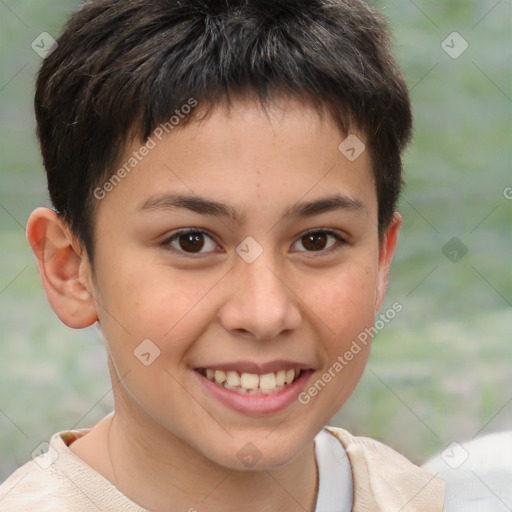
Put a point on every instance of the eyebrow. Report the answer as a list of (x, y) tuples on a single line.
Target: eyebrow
[(213, 208)]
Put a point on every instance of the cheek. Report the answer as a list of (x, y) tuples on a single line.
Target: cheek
[(345, 305), (144, 296), (347, 315), (345, 300), (169, 308)]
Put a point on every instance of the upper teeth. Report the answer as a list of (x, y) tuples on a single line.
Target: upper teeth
[(244, 382)]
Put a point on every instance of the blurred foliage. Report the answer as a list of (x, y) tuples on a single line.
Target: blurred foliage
[(440, 371)]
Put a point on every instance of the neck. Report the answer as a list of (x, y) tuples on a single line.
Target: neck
[(154, 468)]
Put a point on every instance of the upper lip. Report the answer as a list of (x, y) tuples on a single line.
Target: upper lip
[(258, 368)]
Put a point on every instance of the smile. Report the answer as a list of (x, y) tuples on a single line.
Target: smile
[(252, 383)]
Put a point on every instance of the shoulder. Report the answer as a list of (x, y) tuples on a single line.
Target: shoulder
[(478, 473), (31, 488), (58, 480), (384, 478)]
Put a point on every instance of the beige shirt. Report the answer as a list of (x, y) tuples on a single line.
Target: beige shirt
[(384, 481)]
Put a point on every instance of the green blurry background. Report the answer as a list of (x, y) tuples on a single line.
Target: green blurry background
[(440, 371)]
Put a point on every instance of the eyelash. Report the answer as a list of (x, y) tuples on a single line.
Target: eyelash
[(168, 241)]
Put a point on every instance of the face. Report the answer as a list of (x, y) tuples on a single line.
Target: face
[(241, 251)]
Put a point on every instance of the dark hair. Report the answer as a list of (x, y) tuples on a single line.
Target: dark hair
[(123, 67)]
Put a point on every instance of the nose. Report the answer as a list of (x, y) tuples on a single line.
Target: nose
[(261, 303)]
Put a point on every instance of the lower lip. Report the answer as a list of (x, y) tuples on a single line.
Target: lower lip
[(256, 404)]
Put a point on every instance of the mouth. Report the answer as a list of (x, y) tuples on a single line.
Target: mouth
[(253, 388), (252, 383)]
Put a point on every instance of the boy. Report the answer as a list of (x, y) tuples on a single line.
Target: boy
[(224, 176)]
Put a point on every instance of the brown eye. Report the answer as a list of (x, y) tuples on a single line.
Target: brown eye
[(190, 242), (318, 241), (314, 241)]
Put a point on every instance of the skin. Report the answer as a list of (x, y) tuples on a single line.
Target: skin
[(169, 441)]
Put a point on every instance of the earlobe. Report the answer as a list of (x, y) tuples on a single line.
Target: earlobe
[(386, 252), (64, 269)]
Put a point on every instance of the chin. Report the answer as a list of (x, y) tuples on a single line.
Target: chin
[(262, 454)]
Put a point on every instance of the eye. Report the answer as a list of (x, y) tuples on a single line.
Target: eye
[(317, 240), (193, 241), (190, 241)]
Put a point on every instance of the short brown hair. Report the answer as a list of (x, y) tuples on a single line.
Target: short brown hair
[(122, 67)]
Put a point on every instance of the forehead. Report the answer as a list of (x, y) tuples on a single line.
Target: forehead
[(241, 156)]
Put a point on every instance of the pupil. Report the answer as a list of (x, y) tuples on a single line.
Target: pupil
[(192, 242), (313, 241)]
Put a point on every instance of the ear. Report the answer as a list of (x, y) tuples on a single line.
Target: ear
[(387, 247), (64, 268)]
